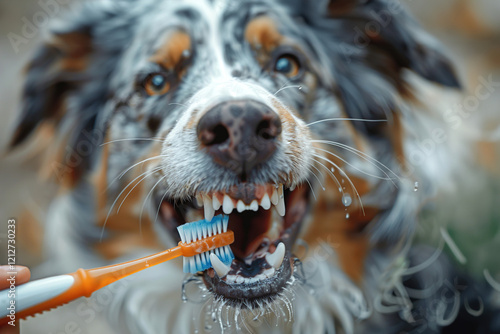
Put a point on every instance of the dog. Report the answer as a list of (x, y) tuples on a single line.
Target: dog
[(298, 119)]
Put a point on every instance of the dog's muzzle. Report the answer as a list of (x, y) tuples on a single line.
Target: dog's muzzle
[(239, 135)]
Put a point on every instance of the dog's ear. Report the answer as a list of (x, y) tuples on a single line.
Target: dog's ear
[(385, 25), (359, 27), (67, 82), (370, 43), (57, 69)]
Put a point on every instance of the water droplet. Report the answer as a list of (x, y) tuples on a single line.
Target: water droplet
[(340, 189), (332, 169), (147, 264), (323, 188), (347, 216), (300, 87), (346, 199), (342, 180), (416, 187)]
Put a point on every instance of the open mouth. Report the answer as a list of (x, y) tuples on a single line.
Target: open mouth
[(265, 219)]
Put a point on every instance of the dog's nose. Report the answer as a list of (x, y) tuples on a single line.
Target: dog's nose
[(240, 134)]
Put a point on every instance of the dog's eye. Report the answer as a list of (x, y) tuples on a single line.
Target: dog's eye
[(156, 84), (288, 65)]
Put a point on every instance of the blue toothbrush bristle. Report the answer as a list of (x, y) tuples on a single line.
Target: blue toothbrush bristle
[(201, 229)]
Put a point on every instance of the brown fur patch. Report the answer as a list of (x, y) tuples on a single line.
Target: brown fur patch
[(76, 48), (341, 7), (171, 52), (332, 225), (127, 231), (396, 135), (262, 32)]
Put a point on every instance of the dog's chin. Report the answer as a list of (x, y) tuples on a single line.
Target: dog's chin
[(264, 216)]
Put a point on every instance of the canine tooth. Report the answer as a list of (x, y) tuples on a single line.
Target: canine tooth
[(209, 210), (281, 206), (218, 266), (280, 190), (215, 203), (199, 200), (274, 197), (276, 259), (265, 202), (227, 205), (254, 205), (269, 272), (240, 206), (292, 187)]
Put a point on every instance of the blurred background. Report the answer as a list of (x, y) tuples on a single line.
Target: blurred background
[(469, 29)]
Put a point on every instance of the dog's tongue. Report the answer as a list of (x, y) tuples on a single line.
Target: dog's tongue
[(254, 232)]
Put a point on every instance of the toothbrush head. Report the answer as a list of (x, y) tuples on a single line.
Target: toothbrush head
[(201, 239)]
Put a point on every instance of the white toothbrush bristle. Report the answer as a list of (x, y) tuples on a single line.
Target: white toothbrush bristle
[(195, 231)]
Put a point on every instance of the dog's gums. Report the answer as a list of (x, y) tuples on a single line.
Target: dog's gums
[(265, 219)]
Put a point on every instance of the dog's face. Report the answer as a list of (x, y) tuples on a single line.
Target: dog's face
[(283, 115)]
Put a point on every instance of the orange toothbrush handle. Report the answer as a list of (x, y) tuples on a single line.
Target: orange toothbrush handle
[(48, 293)]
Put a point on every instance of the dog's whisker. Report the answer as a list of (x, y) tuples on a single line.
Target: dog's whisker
[(330, 172), (145, 176), (317, 178), (159, 205), (376, 163), (140, 162), (310, 186), (287, 87), (180, 104), (116, 200), (159, 139), (129, 168), (356, 168), (347, 119), (348, 180), (146, 199)]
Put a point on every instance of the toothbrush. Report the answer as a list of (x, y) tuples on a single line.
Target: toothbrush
[(201, 243)]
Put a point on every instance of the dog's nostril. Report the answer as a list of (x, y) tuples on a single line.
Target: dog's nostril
[(216, 135), (220, 135), (266, 130)]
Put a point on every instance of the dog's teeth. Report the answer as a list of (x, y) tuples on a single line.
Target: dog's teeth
[(280, 207), (215, 203), (227, 205), (209, 209), (240, 206), (276, 259), (199, 200), (218, 266), (254, 206), (280, 190), (274, 197), (293, 186), (265, 202)]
